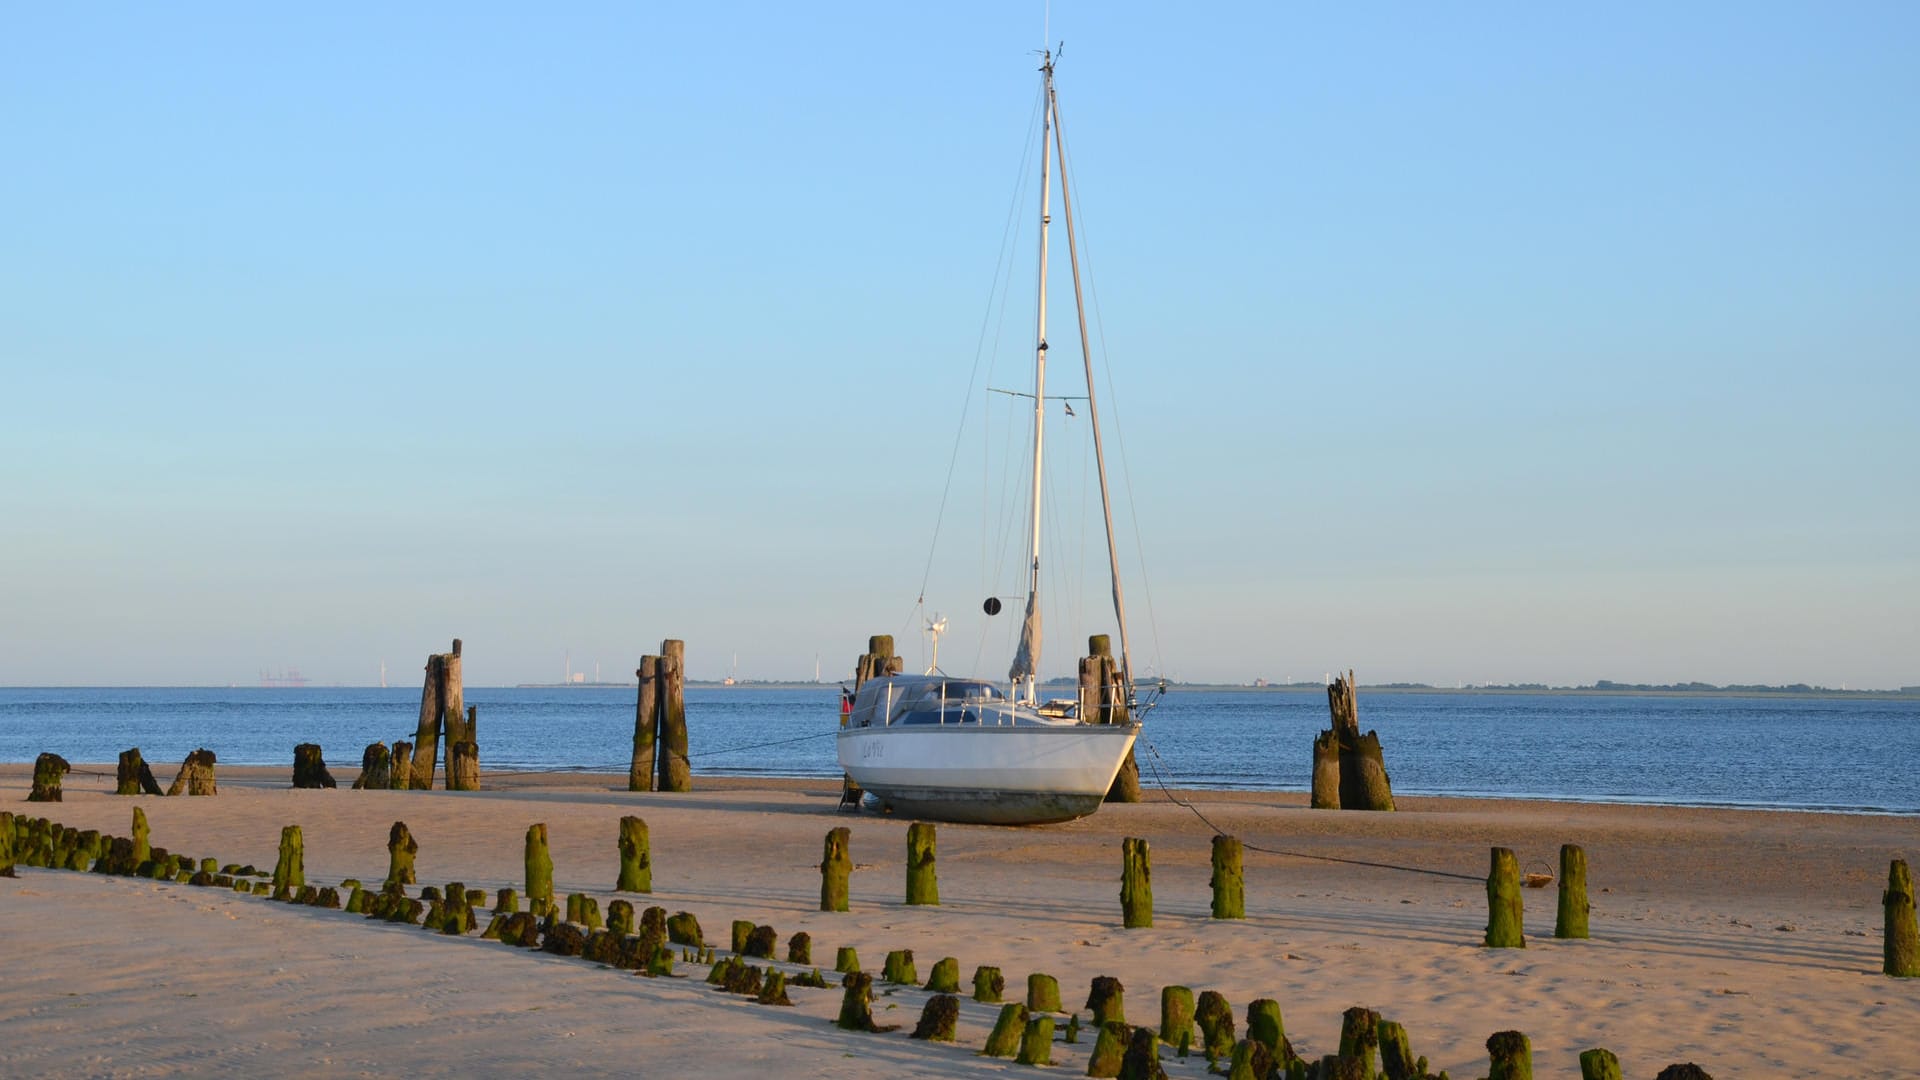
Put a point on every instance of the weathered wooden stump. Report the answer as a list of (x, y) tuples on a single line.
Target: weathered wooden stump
[(142, 850), (1136, 884), (506, 902), (7, 844), (376, 769), (1251, 1060), (1043, 993), (1686, 1070), (463, 765), (521, 930), (1335, 1067), (1571, 920), (1504, 903), (1396, 1053), (742, 929), (1142, 1059), (923, 887), (400, 766), (945, 978), (441, 706), (585, 910), (646, 719), (1109, 1047), (1326, 771), (1599, 1064), (761, 941), (539, 872), (1106, 1000), (937, 1018), (1348, 770), (47, 771), (636, 857), (310, 767), (196, 775), (620, 918), (289, 872), (1004, 1040), (1215, 1019), (1036, 1042), (899, 967), (773, 991), (134, 777), (401, 848), (1359, 1036), (988, 984), (846, 961), (1229, 883), (835, 867), (1901, 948), (684, 929), (856, 1004), (1103, 700), (1176, 1014), (1264, 1026), (564, 939), (1511, 1055), (676, 774)]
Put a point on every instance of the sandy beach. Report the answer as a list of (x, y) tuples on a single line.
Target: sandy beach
[(1746, 941)]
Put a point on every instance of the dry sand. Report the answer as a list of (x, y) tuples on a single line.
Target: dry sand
[(1747, 941)]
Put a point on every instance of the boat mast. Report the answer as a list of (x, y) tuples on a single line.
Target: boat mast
[(1093, 408), (1026, 661)]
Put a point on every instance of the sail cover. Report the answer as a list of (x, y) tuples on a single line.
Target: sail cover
[(1026, 660)]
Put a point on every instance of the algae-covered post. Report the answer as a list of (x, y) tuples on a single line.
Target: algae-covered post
[(1136, 883), (675, 772), (47, 771), (539, 872), (923, 887), (1504, 903), (1103, 700), (937, 1018), (1326, 771), (196, 775), (646, 719), (1362, 779), (310, 767), (1599, 1064), (1043, 993), (401, 765), (375, 774), (1176, 1014), (1902, 946), (1106, 1000), (134, 776), (289, 873), (401, 847), (1004, 1040), (1229, 883), (988, 984), (1511, 1056), (835, 866), (463, 765), (1142, 1059), (1359, 1036), (1571, 919), (6, 844), (1036, 1042), (636, 857)]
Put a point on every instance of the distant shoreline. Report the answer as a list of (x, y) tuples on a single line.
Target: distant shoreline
[(1062, 688)]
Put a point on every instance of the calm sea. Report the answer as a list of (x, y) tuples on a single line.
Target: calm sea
[(1808, 753)]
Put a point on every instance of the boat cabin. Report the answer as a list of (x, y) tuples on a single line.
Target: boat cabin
[(928, 699)]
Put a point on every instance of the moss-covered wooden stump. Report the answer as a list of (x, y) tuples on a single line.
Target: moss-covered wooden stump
[(1264, 1026), (620, 918), (1901, 946), (134, 776), (585, 910), (142, 850), (1685, 1070), (289, 873), (1109, 1047), (1335, 1067), (564, 939), (7, 842), (375, 769), (1326, 771), (1142, 1059), (506, 902), (1505, 906), (1004, 1040), (800, 948), (1136, 884), (1043, 993), (856, 1005), (1176, 1014), (1397, 1061), (539, 872), (676, 773), (47, 771), (1214, 1017), (938, 1018), (761, 942), (773, 989), (945, 978), (742, 929), (1571, 919), (899, 968), (988, 984), (400, 766), (1511, 1056), (1036, 1042), (684, 929), (196, 775), (1251, 1060), (310, 767), (401, 848), (923, 886), (1599, 1064), (1359, 1036), (835, 867), (1228, 882), (463, 765), (636, 857), (1106, 1000)]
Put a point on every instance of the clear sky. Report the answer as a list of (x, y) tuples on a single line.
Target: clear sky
[(1448, 342)]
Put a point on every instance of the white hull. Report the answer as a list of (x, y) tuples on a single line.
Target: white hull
[(1025, 774)]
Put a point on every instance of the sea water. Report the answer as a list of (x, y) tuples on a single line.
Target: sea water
[(1856, 754)]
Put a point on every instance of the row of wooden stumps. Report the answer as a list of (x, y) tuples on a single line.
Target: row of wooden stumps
[(660, 723), (1348, 770), (134, 776)]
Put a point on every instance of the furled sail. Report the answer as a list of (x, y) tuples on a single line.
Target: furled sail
[(1026, 659)]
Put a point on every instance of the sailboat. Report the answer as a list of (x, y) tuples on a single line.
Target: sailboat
[(972, 750)]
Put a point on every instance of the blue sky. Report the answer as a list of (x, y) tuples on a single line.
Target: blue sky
[(1488, 343)]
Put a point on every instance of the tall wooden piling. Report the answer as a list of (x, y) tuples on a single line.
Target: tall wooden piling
[(133, 776), (923, 887), (1228, 881), (636, 857), (1348, 770), (1571, 919), (441, 710), (835, 866), (1103, 700), (196, 775), (1902, 946), (676, 774), (1136, 884), (401, 847), (375, 769), (646, 721), (539, 872), (1504, 903), (47, 771)]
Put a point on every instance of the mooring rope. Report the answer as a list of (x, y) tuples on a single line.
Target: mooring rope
[(1154, 763)]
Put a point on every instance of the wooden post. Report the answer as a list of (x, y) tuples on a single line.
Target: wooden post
[(899, 968), (1359, 1036), (1215, 1019), (1504, 903), (401, 848), (846, 960), (1036, 1042), (1109, 1045), (1109, 707), (310, 767), (426, 735), (1142, 1059), (1251, 1061), (636, 857), (196, 775), (375, 769), (1043, 993), (1599, 1064), (1106, 1000), (134, 777), (800, 949), (289, 874), (1136, 884), (675, 772), (1362, 776), (835, 865), (401, 765), (539, 872), (1326, 771), (945, 978), (1396, 1053), (142, 850), (463, 765), (1902, 946), (937, 1018), (923, 887), (646, 716), (856, 1004), (1004, 1040), (1265, 1027), (1229, 884), (1571, 920), (988, 984), (47, 771), (1512, 1056), (6, 845), (684, 929), (1176, 1014)]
